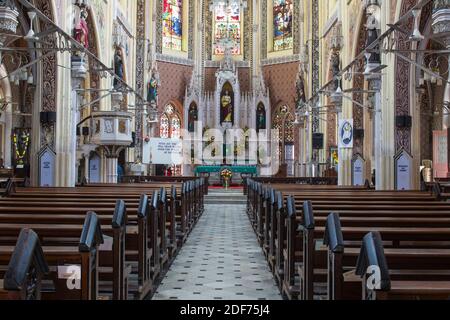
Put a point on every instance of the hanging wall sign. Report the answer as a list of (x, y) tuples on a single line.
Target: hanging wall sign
[(94, 169), (346, 133), (358, 169), (403, 170), (47, 160)]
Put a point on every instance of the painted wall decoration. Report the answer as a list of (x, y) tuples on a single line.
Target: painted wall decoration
[(282, 24), (172, 28), (227, 21), (346, 133), (99, 10)]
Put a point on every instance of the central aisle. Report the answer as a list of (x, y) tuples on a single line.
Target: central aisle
[(221, 259)]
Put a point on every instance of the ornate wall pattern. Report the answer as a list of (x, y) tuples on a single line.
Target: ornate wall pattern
[(263, 29), (158, 29), (191, 29), (315, 58), (94, 77), (403, 71), (296, 28), (358, 83), (174, 79), (280, 79), (248, 32), (140, 71), (208, 25), (49, 64), (49, 76)]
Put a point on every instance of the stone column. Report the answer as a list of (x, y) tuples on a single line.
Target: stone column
[(375, 85), (79, 73), (111, 169)]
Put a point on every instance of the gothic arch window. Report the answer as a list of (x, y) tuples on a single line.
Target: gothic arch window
[(172, 24), (227, 24), (283, 11), (170, 124)]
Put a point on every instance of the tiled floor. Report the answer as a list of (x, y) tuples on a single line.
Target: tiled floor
[(220, 261)]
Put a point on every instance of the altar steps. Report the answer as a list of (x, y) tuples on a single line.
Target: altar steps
[(226, 197)]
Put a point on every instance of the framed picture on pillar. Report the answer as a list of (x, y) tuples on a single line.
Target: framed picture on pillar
[(346, 133)]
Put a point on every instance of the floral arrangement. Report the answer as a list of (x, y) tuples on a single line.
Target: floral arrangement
[(226, 174)]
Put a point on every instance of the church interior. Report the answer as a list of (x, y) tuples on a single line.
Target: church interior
[(224, 149)]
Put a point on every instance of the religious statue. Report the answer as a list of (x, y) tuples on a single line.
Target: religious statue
[(193, 117), (261, 118), (118, 67), (227, 107), (153, 90), (336, 66), (300, 86), (81, 31)]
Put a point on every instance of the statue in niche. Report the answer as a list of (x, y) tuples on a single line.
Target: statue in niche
[(261, 118), (193, 117), (81, 30), (153, 84), (336, 66), (300, 86), (227, 107), (118, 67)]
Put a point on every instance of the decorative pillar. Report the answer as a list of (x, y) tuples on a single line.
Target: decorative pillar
[(441, 29), (112, 161), (79, 74), (140, 76), (373, 62)]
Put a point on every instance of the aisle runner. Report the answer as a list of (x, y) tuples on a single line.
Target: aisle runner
[(220, 261)]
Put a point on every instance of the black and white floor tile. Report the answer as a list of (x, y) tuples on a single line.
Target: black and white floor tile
[(220, 261)]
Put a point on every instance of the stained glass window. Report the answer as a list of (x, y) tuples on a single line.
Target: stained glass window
[(176, 127), (227, 26), (170, 126), (172, 24), (164, 127), (282, 24)]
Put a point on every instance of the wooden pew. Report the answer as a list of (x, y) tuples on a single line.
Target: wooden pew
[(26, 269), (345, 198), (84, 254), (373, 258), (138, 239)]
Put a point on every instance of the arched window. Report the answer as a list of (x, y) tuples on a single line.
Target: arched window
[(165, 127), (282, 25), (170, 125), (172, 20), (227, 25)]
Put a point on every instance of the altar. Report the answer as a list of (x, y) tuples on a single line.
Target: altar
[(238, 172)]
